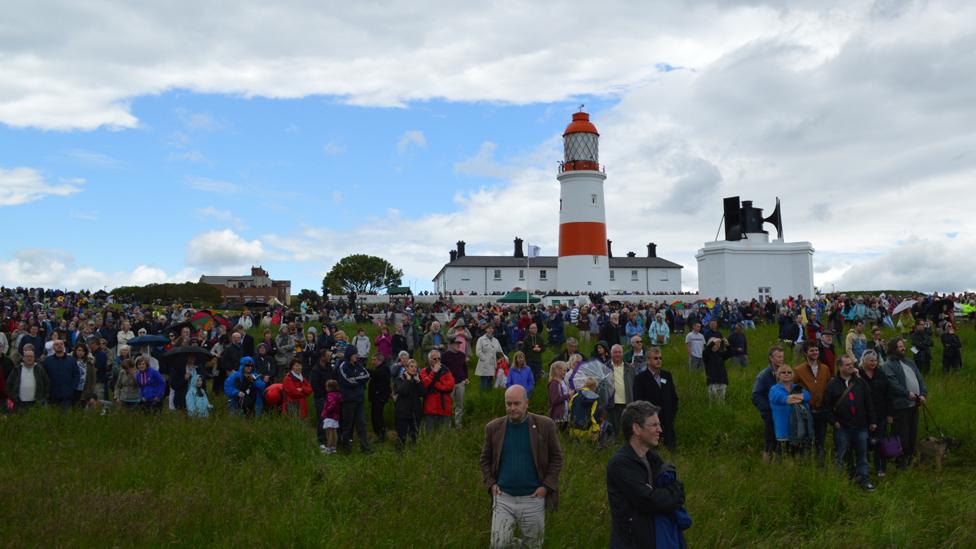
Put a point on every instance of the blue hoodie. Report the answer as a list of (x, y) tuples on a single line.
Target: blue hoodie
[(152, 386), (197, 404)]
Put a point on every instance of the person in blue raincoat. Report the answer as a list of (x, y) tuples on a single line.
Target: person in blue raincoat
[(244, 388), (197, 403)]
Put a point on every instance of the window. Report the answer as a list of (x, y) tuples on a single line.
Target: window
[(633, 275), (596, 260), (764, 292), (521, 274), (664, 275), (560, 204), (498, 274), (593, 199), (612, 275), (465, 275), (542, 274)]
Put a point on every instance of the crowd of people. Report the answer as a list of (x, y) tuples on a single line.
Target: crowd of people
[(77, 349)]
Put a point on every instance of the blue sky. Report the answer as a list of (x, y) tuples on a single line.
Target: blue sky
[(200, 162), (156, 142)]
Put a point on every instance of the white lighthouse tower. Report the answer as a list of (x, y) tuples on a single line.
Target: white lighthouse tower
[(583, 262)]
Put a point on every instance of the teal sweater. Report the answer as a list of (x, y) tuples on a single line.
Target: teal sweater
[(516, 472)]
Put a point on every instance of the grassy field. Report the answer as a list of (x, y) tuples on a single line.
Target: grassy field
[(80, 479)]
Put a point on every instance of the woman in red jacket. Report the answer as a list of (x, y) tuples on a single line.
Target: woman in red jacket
[(438, 384), (297, 389)]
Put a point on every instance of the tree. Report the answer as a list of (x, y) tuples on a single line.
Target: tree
[(360, 273), (310, 296)]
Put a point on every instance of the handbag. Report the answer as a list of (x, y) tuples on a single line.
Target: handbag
[(890, 446)]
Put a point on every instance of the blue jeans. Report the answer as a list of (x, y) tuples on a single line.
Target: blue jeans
[(847, 439)]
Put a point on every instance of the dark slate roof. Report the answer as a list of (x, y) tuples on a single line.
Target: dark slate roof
[(550, 261)]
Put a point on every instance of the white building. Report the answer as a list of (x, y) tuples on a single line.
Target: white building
[(749, 265), (585, 263), (485, 275)]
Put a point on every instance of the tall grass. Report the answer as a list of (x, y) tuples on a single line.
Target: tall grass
[(80, 479)]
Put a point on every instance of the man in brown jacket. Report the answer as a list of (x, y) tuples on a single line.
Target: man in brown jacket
[(520, 464), (814, 375)]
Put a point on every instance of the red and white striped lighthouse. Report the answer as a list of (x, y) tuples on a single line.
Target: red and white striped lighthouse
[(583, 262)]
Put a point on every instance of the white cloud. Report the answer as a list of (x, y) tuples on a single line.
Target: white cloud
[(411, 139), (224, 250), (858, 114), (212, 185), (199, 121), (224, 216), (334, 148), (93, 158), (337, 197), (483, 163), (84, 216), (817, 107), (68, 75), (188, 156), (55, 268), (941, 263), (23, 185)]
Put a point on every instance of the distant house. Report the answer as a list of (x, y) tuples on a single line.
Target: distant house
[(258, 286)]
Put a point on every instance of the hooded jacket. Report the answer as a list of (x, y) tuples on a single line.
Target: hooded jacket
[(197, 403), (152, 386)]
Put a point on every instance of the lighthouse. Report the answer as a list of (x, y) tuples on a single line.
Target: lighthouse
[(583, 264)]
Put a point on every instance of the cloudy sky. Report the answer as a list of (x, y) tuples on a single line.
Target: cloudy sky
[(145, 144)]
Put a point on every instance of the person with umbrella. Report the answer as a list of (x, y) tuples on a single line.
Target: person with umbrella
[(181, 362)]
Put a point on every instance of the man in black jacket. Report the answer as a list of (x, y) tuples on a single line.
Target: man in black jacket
[(631, 474), (850, 410), (657, 387), (229, 360), (380, 389), (321, 373)]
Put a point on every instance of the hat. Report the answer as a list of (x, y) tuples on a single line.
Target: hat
[(351, 351), (457, 340), (246, 361), (713, 340), (828, 333), (312, 330)]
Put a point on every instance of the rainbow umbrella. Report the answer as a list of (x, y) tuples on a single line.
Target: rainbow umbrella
[(205, 320)]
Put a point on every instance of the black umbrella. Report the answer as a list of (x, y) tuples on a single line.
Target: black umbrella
[(178, 327), (182, 353), (150, 340)]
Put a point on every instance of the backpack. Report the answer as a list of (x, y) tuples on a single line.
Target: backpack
[(581, 411)]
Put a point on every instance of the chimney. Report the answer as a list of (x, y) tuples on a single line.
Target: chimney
[(518, 248), (609, 249), (652, 250), (453, 256), (460, 249), (631, 254)]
